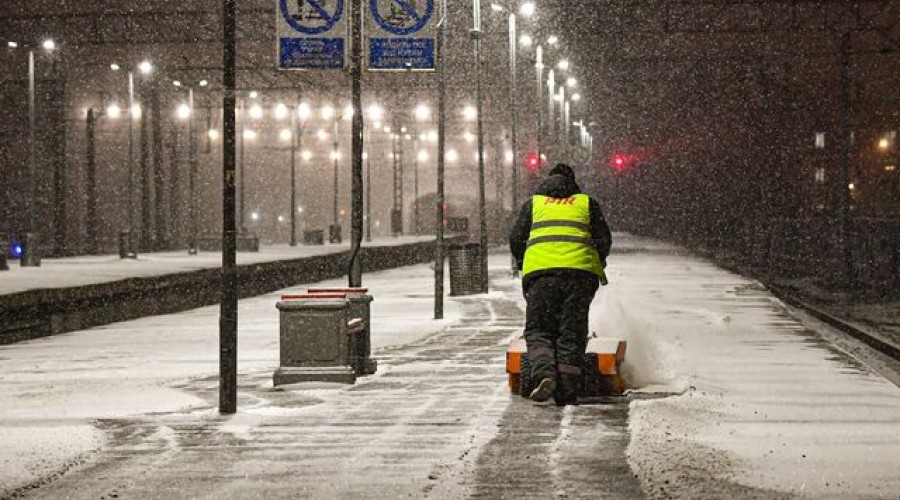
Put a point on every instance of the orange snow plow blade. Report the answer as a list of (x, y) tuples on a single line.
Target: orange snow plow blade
[(602, 370)]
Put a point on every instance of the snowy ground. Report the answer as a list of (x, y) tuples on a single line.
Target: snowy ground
[(736, 398), (93, 269)]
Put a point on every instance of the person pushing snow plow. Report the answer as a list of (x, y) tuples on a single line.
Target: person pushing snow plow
[(560, 242)]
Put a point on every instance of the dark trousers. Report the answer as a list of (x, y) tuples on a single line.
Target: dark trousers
[(556, 328)]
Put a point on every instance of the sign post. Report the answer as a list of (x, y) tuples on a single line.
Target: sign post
[(311, 34), (401, 35)]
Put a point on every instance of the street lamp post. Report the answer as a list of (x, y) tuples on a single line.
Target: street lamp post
[(477, 35), (126, 241), (513, 99)]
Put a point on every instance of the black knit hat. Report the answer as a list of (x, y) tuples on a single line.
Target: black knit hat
[(563, 170)]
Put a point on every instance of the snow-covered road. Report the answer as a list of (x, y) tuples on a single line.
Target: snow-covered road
[(738, 399)]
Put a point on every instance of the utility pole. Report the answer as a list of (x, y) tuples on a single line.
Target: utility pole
[(477, 35), (192, 177), (91, 175), (356, 145), (846, 160), (439, 195), (228, 313)]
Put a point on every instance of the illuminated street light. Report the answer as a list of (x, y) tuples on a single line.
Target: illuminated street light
[(281, 111), (113, 111), (49, 45), (136, 111), (322, 135), (468, 136), (451, 156), (563, 65), (285, 134), (576, 97), (527, 9), (571, 81), (552, 40), (12, 45), (375, 113), (883, 144), (204, 83), (213, 134), (255, 112), (184, 111), (253, 94), (348, 112), (306, 155), (470, 113), (303, 111), (327, 112), (115, 67), (422, 156), (525, 40), (176, 83), (254, 216), (497, 8), (387, 129), (249, 135), (145, 67), (422, 112)]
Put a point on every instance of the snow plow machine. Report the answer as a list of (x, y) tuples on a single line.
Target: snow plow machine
[(603, 359)]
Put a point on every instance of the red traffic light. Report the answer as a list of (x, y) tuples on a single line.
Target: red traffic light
[(532, 162), (619, 162)]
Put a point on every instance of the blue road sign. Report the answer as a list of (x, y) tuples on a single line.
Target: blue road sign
[(312, 17), (403, 17), (311, 53), (401, 53)]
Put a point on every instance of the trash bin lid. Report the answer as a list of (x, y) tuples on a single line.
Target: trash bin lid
[(314, 296)]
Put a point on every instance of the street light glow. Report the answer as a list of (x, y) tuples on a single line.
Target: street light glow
[(136, 111), (254, 216), (468, 136), (451, 155), (571, 81), (497, 8), (249, 135), (552, 40), (322, 135), (204, 83), (176, 83), (348, 112), (145, 67), (49, 45), (285, 134), (12, 45), (375, 113), (113, 66), (253, 94), (422, 112), (422, 156), (113, 111), (387, 129), (303, 111), (563, 65), (883, 143), (335, 155), (327, 112), (576, 97), (470, 113), (256, 112), (281, 111), (184, 111), (213, 134), (527, 9), (306, 155), (525, 40)]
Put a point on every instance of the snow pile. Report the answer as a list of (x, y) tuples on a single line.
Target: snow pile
[(767, 408)]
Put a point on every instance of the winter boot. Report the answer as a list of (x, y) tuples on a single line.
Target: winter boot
[(543, 391)]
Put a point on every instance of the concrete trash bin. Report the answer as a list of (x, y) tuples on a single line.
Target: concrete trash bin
[(314, 339), (465, 269), (359, 300)]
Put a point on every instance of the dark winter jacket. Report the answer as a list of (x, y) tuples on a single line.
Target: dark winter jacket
[(558, 186)]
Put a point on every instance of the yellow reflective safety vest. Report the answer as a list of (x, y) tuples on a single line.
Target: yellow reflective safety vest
[(561, 236)]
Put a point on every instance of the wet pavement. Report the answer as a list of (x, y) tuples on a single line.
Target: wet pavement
[(437, 421)]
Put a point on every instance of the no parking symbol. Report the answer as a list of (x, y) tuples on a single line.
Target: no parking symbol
[(311, 34), (392, 45)]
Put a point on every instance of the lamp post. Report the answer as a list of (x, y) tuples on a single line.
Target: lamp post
[(297, 119), (477, 35), (31, 256), (192, 168), (112, 111), (513, 94), (126, 241)]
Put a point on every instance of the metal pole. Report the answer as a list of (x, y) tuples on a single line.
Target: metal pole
[(439, 198), (334, 157), (32, 188), (91, 182), (192, 177), (131, 253), (477, 35), (416, 185), (368, 136), (356, 145), (241, 180), (539, 71), (514, 110), (846, 159), (295, 145), (228, 313)]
